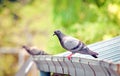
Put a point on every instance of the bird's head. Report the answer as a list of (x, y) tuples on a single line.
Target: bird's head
[(24, 46), (57, 32)]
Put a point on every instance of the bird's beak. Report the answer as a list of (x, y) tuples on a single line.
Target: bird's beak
[(54, 34), (23, 46)]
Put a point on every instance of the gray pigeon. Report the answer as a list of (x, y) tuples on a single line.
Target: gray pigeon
[(34, 51), (73, 45)]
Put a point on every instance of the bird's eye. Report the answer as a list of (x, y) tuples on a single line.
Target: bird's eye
[(58, 31)]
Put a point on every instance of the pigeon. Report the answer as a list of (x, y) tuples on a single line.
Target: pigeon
[(34, 51), (73, 45)]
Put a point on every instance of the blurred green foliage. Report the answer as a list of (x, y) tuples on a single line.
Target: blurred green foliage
[(67, 13), (32, 22), (8, 66), (23, 22)]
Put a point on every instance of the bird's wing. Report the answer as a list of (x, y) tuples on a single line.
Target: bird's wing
[(35, 51), (70, 42)]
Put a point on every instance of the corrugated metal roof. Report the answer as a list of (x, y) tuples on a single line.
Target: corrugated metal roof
[(109, 49)]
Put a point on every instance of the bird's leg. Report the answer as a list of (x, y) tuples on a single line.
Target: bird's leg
[(69, 56)]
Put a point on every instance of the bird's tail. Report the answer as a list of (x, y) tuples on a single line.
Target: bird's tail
[(94, 54)]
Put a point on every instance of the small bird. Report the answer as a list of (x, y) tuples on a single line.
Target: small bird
[(73, 45), (34, 51)]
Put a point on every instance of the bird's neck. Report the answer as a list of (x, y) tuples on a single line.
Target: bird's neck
[(60, 36)]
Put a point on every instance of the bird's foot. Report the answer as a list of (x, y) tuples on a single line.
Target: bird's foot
[(69, 56)]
